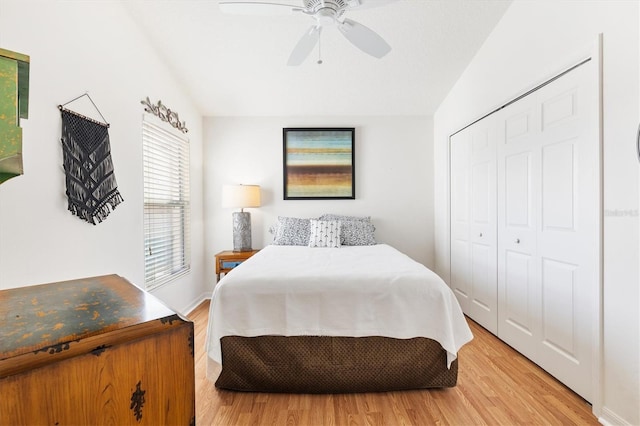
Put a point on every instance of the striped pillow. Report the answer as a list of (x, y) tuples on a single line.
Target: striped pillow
[(324, 233)]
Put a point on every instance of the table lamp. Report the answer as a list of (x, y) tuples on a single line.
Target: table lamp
[(242, 196)]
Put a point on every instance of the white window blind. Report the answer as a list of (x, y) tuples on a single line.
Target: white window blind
[(166, 205)]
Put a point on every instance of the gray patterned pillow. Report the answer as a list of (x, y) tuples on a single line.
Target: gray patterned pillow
[(354, 230), (291, 231), (357, 233), (324, 233), (340, 217)]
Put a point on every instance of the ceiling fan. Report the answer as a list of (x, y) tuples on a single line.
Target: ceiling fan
[(327, 13)]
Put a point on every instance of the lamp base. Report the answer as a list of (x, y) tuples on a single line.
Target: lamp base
[(241, 231)]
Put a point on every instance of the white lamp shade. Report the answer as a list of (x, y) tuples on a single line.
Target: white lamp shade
[(241, 196)]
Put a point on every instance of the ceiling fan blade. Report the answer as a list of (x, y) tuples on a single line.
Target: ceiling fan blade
[(305, 46), (257, 8), (364, 38), (367, 4)]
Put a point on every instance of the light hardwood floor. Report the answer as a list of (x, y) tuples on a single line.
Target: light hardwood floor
[(496, 386)]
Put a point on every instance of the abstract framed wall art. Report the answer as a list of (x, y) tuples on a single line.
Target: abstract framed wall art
[(319, 163)]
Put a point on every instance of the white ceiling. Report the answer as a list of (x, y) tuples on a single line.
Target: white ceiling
[(235, 65)]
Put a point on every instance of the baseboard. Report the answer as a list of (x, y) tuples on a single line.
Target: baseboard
[(204, 296), (609, 418)]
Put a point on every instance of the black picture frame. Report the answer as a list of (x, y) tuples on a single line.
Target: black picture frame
[(318, 163)]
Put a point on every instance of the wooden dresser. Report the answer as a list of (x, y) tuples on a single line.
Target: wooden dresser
[(93, 351)]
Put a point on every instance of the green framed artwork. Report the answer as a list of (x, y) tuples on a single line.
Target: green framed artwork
[(319, 163), (14, 105)]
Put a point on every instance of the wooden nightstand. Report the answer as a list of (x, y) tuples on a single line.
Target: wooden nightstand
[(227, 260)]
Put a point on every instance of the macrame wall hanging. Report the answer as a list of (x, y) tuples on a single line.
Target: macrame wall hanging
[(92, 191)]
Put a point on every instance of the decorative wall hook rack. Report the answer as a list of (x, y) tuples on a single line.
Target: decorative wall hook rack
[(165, 114)]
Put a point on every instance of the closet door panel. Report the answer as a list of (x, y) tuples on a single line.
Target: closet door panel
[(460, 245), (559, 288), (518, 291), (568, 233), (559, 186), (473, 223), (516, 308), (481, 186), (518, 126), (483, 306), (483, 302), (517, 191)]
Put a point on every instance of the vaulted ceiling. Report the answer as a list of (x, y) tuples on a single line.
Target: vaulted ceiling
[(236, 65)]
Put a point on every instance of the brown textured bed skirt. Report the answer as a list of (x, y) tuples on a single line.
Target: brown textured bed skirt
[(321, 364)]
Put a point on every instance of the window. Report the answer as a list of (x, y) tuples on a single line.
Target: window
[(166, 205)]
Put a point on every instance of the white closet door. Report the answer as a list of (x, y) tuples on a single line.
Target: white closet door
[(548, 226), (483, 251), (518, 192), (473, 223), (569, 227), (460, 281)]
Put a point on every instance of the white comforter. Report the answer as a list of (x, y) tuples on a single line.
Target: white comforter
[(348, 291)]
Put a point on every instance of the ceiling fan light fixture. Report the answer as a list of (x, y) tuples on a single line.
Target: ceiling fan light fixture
[(335, 8), (326, 16), (325, 13)]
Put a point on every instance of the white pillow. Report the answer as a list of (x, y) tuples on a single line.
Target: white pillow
[(324, 233)]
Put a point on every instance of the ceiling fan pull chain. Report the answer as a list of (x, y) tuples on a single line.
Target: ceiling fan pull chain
[(319, 45)]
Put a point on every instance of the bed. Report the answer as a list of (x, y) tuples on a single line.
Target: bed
[(361, 318)]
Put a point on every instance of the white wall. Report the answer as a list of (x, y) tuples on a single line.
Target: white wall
[(533, 40), (77, 47), (393, 162)]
